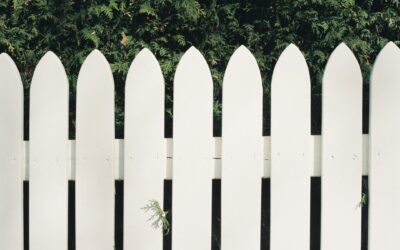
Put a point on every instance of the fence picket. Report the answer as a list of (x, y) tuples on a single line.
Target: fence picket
[(94, 155), (242, 158), (341, 152), (291, 154), (11, 134), (192, 152), (145, 151), (48, 132), (384, 184)]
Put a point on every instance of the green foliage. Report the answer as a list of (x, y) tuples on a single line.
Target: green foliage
[(121, 28), (158, 217)]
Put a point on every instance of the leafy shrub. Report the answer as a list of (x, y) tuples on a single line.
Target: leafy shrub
[(120, 28)]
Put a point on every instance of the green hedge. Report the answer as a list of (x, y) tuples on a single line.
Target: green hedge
[(120, 28)]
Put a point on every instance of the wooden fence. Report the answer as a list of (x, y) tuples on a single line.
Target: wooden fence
[(241, 157)]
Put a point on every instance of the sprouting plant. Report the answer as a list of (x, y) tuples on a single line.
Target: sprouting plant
[(364, 200), (158, 216)]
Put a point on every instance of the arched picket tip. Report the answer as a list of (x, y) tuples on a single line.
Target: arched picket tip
[(239, 55), (95, 136), (242, 163), (290, 56), (388, 53), (9, 69), (145, 152), (341, 151), (95, 62), (384, 173), (144, 56), (192, 165), (192, 55), (49, 63), (11, 144)]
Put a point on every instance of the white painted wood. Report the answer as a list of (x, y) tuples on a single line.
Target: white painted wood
[(384, 184), (94, 155), (48, 132), (291, 155), (242, 152), (315, 168), (192, 165), (341, 152), (11, 134), (145, 151)]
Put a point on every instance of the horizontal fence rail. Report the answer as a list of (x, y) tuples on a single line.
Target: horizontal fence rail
[(118, 161), (240, 158)]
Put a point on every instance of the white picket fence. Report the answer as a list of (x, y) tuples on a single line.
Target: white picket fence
[(241, 157)]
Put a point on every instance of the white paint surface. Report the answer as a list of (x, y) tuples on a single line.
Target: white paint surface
[(291, 155), (384, 184), (145, 151), (94, 155), (341, 152), (48, 132), (11, 134), (192, 151), (242, 153)]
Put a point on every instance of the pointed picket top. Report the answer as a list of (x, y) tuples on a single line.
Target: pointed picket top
[(389, 55), (184, 83), (235, 68), (11, 134), (341, 151), (9, 74), (341, 70), (290, 151), (291, 58), (242, 163), (95, 136), (145, 156), (97, 65), (191, 57), (193, 166), (49, 74), (384, 172)]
